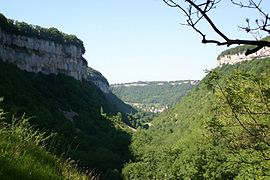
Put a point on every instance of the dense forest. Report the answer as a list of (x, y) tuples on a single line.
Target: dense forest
[(220, 130)]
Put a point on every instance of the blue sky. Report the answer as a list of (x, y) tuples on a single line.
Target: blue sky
[(132, 40)]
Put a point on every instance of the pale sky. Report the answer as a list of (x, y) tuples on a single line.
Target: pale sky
[(133, 40)]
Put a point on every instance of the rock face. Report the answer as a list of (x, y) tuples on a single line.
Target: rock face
[(37, 55), (236, 58), (104, 87), (99, 80)]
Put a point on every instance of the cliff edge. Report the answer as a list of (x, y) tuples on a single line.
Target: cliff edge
[(237, 54), (98, 79), (38, 55), (46, 50)]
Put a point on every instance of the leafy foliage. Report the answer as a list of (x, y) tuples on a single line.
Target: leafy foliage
[(218, 131), (141, 119), (241, 123)]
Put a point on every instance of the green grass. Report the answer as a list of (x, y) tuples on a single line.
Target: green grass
[(23, 154)]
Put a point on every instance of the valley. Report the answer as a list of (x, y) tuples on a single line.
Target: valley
[(61, 119), (153, 96)]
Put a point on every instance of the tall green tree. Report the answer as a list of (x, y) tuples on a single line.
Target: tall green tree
[(241, 125)]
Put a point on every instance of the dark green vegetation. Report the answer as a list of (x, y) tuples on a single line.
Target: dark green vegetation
[(96, 77), (239, 49), (220, 130), (158, 94), (53, 34), (75, 111), (24, 156), (141, 119)]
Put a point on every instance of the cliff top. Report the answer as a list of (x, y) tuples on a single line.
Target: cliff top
[(238, 49), (52, 34)]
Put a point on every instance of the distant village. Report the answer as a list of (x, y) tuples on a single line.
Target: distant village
[(154, 108)]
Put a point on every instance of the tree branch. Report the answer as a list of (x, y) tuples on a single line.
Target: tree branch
[(201, 11)]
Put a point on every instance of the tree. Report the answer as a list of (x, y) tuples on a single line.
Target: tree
[(198, 10), (240, 126)]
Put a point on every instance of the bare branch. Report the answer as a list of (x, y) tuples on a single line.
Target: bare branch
[(197, 12)]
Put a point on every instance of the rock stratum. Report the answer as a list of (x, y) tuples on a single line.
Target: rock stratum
[(239, 57), (37, 55), (99, 80), (46, 50), (237, 54)]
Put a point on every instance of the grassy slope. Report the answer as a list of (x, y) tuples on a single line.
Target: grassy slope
[(23, 155), (90, 137)]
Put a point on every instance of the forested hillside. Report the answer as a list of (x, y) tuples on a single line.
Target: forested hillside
[(87, 125), (153, 96), (56, 127), (220, 130)]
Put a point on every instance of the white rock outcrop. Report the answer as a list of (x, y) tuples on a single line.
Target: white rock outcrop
[(239, 57), (99, 80), (38, 55), (103, 86)]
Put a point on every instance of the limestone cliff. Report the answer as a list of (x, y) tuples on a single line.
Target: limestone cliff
[(99, 80), (237, 54), (38, 55), (240, 56)]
